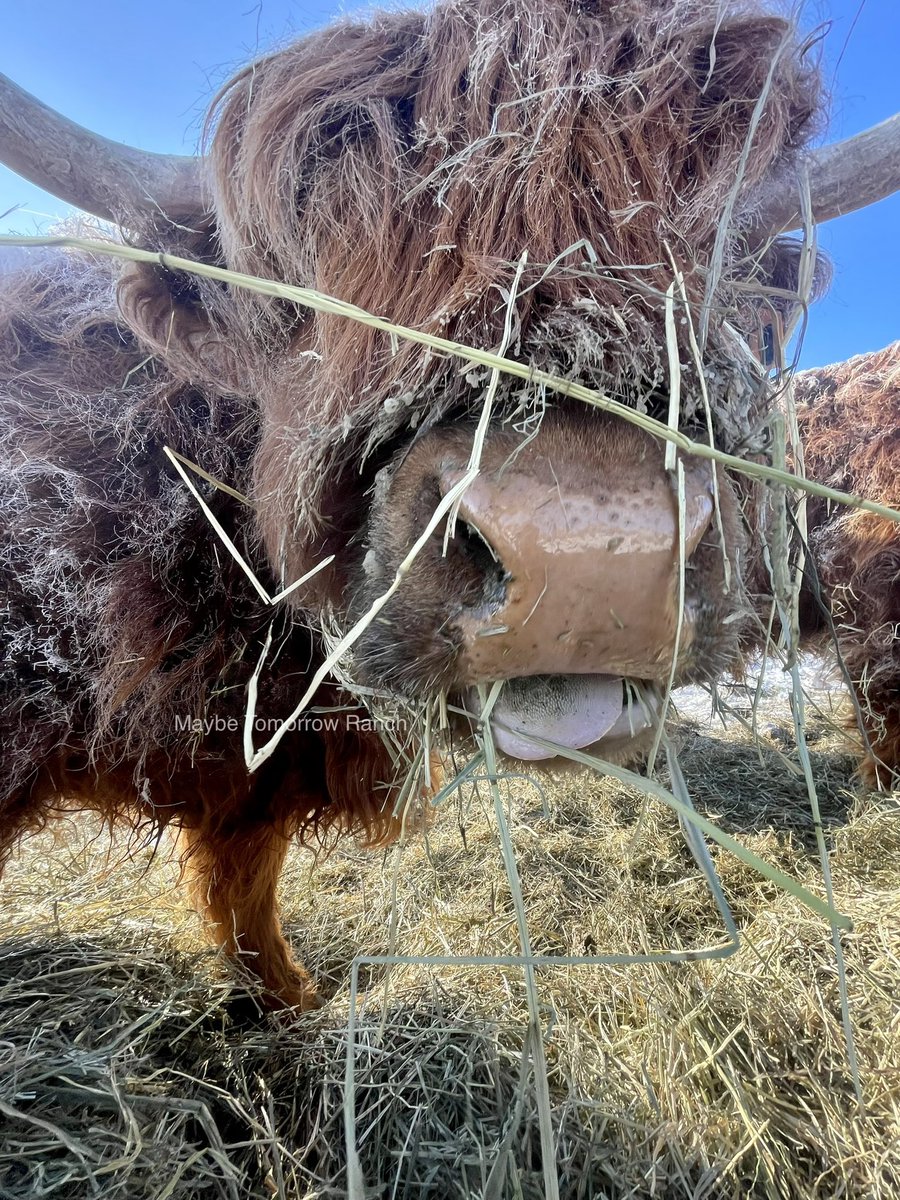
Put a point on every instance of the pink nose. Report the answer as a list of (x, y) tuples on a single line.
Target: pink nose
[(590, 564)]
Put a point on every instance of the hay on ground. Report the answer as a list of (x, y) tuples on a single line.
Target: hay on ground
[(134, 1065)]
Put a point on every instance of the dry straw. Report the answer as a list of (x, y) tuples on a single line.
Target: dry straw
[(719, 1078)]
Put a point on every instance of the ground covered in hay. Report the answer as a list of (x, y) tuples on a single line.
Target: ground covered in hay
[(133, 1065)]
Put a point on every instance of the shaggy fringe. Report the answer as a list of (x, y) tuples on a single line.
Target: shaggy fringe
[(378, 162)]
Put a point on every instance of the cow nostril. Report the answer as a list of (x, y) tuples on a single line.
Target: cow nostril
[(485, 575), (474, 534)]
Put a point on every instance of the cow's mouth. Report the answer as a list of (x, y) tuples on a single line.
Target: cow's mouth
[(579, 712)]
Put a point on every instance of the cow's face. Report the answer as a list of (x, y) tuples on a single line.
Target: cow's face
[(560, 182), (588, 184), (562, 576)]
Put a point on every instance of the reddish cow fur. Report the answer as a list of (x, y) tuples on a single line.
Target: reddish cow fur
[(120, 615), (402, 164), (849, 416)]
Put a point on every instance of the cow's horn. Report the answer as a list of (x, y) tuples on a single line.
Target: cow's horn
[(108, 179), (843, 177), (113, 180)]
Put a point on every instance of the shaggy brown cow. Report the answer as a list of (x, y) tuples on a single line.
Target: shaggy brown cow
[(849, 417), (523, 176)]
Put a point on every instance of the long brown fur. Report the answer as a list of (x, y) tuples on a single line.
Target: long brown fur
[(403, 164), (849, 417)]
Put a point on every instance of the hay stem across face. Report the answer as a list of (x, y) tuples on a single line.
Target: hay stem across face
[(566, 387), (487, 407), (449, 505)]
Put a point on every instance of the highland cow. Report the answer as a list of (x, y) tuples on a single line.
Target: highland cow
[(849, 418), (531, 178)]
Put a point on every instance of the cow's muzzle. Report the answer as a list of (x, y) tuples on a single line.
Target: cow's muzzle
[(591, 574), (591, 594), (569, 575)]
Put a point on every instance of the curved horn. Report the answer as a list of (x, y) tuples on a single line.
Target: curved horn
[(842, 178), (109, 179)]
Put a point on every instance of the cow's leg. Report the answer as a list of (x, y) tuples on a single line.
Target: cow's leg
[(233, 881), (24, 813), (61, 784)]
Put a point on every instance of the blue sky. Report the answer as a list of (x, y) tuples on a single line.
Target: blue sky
[(144, 72)]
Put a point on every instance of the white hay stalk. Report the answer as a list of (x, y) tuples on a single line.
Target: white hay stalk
[(177, 460)]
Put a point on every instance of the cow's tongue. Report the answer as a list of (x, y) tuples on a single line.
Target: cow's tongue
[(574, 710)]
